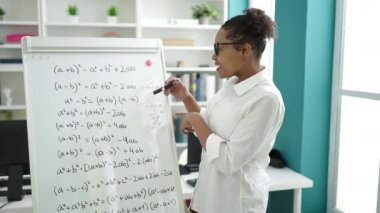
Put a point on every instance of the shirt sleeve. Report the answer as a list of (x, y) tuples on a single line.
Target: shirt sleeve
[(258, 127)]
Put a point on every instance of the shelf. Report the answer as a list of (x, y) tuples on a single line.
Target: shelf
[(19, 23), (178, 26), (181, 144), (191, 69), (11, 68), (90, 24), (10, 46), (203, 48), (180, 104), (13, 107), (179, 107)]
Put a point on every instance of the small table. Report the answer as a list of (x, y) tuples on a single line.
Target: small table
[(280, 179)]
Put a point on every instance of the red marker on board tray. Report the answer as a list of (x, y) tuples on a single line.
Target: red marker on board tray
[(167, 86)]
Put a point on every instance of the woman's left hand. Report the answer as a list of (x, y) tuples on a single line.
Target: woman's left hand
[(193, 122), (186, 125)]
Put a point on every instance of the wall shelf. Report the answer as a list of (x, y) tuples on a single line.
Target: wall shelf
[(90, 24), (13, 107), (11, 68), (192, 48), (10, 46), (178, 26), (19, 23), (191, 69), (179, 107)]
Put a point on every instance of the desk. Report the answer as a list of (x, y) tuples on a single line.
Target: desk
[(280, 179), (23, 206)]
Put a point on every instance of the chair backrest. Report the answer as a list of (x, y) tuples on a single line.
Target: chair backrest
[(194, 149)]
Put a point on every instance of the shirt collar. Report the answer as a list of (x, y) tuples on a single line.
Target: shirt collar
[(242, 87)]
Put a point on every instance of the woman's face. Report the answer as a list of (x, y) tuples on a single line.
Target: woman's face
[(229, 60)]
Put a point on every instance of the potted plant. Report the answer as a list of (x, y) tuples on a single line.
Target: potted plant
[(72, 11), (2, 13), (205, 12), (112, 14)]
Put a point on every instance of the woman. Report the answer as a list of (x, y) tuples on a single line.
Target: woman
[(239, 125)]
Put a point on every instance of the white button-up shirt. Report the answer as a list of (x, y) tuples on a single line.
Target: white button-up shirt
[(244, 118)]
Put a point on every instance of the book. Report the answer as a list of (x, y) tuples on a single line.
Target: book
[(210, 86), (193, 83), (177, 42), (180, 137), (200, 93)]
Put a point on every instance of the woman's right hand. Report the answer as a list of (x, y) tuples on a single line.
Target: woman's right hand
[(178, 89)]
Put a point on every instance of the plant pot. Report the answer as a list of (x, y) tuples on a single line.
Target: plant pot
[(73, 19), (1, 18), (112, 19), (204, 20)]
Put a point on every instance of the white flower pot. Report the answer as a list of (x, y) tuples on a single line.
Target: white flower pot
[(73, 19), (204, 20), (112, 19)]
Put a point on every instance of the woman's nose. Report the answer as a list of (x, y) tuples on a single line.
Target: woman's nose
[(213, 56)]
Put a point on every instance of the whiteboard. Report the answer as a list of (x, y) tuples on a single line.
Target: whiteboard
[(99, 140)]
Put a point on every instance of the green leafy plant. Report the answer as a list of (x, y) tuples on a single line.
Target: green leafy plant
[(72, 10), (2, 12), (112, 11), (205, 10)]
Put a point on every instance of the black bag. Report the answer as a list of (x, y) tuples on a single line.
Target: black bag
[(276, 159)]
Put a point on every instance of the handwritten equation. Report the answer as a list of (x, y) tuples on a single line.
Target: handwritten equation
[(102, 100), (111, 200), (114, 164), (89, 185), (100, 111), (113, 150), (77, 86), (95, 140), (78, 69), (90, 125)]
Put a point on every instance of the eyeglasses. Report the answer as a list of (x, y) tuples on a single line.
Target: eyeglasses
[(217, 48)]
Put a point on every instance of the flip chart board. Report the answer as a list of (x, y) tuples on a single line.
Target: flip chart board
[(99, 140)]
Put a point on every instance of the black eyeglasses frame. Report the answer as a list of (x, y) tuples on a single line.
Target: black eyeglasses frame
[(217, 49)]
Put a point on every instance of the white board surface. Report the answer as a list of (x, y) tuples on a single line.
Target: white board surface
[(99, 140)]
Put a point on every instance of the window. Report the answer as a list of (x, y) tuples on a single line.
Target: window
[(269, 7), (355, 122)]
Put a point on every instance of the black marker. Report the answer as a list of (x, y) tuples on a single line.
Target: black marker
[(167, 86)]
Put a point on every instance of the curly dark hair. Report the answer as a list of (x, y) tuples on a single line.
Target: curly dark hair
[(253, 27)]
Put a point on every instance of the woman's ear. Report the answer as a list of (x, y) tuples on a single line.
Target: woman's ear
[(247, 49)]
